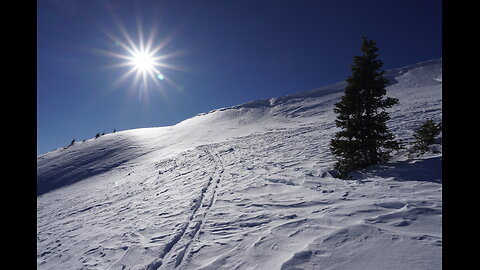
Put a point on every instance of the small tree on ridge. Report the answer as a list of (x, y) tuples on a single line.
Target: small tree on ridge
[(425, 136)]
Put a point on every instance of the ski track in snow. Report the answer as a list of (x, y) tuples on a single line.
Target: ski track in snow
[(247, 187)]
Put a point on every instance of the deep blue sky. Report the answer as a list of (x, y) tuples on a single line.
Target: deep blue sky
[(229, 52)]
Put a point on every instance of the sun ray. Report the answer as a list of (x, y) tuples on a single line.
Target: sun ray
[(111, 54), (131, 45), (151, 39), (163, 43), (140, 35), (172, 67), (167, 56), (123, 78)]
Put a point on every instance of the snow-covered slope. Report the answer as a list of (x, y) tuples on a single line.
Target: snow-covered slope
[(246, 187)]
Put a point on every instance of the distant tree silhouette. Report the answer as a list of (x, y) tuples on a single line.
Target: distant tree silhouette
[(71, 143), (364, 139)]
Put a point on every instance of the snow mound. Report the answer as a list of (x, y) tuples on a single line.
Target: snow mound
[(246, 187)]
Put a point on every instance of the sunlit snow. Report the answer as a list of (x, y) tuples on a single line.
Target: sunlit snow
[(246, 187)]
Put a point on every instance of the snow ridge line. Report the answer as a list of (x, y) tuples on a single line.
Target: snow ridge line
[(177, 251)]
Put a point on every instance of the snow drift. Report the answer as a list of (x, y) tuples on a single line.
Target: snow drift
[(246, 187)]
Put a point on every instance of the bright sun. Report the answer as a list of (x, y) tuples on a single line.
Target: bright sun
[(143, 61), (143, 57)]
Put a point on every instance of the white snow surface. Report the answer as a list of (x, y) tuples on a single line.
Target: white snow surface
[(246, 187)]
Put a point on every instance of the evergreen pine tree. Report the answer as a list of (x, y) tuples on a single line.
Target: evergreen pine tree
[(364, 139), (425, 136)]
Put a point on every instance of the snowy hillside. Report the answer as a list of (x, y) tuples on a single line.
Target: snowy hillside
[(246, 187)]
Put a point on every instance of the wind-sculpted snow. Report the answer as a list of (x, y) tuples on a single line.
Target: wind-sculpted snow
[(246, 187)]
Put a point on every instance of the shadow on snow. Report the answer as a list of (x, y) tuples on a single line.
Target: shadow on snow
[(422, 169)]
